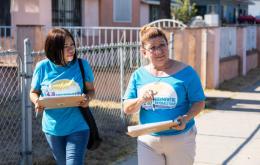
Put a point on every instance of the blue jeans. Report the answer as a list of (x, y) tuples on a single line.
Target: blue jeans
[(70, 149)]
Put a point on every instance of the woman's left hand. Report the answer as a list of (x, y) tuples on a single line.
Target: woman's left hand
[(182, 123), (85, 102)]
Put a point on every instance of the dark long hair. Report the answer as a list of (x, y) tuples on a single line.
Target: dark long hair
[(54, 45)]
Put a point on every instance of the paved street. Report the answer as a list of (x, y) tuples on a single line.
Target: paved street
[(231, 133)]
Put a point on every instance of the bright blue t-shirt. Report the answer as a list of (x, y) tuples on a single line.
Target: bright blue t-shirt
[(175, 95), (54, 80)]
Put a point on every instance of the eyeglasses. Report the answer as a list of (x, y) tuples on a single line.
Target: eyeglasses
[(156, 48), (69, 47)]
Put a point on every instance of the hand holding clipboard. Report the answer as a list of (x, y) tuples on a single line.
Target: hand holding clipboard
[(60, 101), (142, 129)]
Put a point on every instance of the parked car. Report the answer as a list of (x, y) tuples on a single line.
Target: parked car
[(246, 19), (257, 19)]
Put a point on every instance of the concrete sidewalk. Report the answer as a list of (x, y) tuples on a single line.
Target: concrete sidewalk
[(230, 134)]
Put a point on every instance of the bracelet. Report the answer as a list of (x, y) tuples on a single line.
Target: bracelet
[(184, 118), (88, 97)]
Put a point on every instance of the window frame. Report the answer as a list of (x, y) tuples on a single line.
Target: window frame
[(59, 13), (154, 10), (5, 20), (6, 15)]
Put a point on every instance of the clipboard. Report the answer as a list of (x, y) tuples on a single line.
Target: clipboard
[(142, 129), (60, 101)]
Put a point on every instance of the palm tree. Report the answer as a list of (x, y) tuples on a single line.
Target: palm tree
[(186, 11)]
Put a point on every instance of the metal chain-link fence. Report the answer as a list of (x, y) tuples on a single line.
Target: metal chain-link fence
[(10, 108)]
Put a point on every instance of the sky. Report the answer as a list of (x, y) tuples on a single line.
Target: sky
[(254, 9)]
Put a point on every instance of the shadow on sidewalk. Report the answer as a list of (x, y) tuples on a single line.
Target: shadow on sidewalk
[(238, 105), (241, 146)]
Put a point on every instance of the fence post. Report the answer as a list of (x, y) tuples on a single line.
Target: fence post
[(171, 45), (27, 106), (241, 48), (121, 51), (204, 52)]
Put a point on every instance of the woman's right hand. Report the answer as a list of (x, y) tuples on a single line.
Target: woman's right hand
[(148, 96), (38, 108), (133, 105)]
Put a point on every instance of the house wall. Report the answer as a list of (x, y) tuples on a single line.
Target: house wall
[(144, 14), (229, 68), (251, 60), (90, 13), (38, 12), (34, 33), (25, 12), (7, 43), (45, 14), (31, 12), (106, 14)]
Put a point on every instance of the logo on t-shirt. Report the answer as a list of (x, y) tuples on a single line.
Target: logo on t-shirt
[(166, 97), (62, 87)]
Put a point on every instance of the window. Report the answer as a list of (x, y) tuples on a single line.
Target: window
[(154, 13), (5, 17), (212, 9), (66, 12), (201, 10), (122, 10)]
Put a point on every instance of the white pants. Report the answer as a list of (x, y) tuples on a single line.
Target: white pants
[(167, 150)]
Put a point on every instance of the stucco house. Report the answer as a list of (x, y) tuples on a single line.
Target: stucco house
[(128, 13), (227, 10)]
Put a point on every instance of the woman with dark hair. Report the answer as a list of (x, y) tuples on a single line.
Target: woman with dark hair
[(65, 129), (163, 90)]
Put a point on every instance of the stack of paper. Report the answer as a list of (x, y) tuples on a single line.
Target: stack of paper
[(142, 129)]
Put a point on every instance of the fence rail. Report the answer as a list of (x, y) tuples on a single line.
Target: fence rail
[(88, 36)]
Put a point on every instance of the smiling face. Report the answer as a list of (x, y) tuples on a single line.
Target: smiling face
[(156, 50), (69, 49)]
